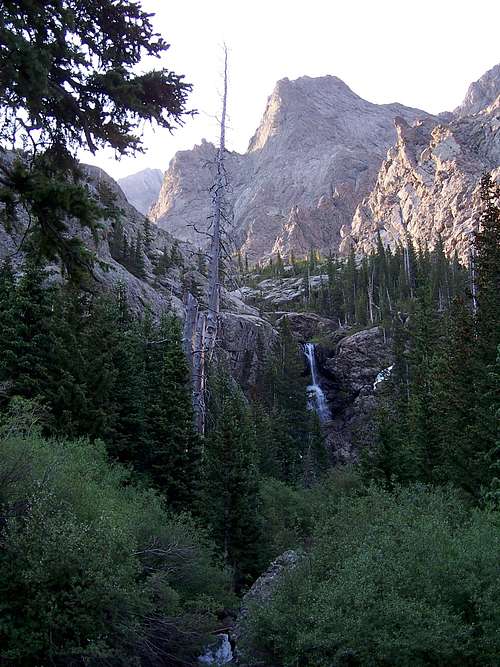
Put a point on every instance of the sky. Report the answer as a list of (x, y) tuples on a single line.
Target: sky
[(422, 53)]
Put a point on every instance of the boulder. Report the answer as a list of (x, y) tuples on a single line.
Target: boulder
[(259, 594)]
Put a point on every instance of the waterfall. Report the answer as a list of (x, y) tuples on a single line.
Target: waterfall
[(316, 397), (220, 655), (382, 376)]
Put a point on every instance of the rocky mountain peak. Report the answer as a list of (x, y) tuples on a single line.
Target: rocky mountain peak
[(293, 101), (314, 156), (142, 188), (327, 169), (481, 94)]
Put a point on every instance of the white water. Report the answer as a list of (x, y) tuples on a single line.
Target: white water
[(315, 395), (383, 375), (222, 655)]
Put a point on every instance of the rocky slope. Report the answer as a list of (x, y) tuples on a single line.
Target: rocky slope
[(317, 172), (243, 333), (428, 184), (481, 94), (142, 189), (314, 156)]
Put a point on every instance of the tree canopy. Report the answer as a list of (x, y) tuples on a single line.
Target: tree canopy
[(70, 79), (69, 76)]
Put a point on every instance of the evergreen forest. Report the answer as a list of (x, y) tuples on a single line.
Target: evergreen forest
[(129, 537)]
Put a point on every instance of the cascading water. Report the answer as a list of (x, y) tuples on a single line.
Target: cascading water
[(316, 397), (220, 655)]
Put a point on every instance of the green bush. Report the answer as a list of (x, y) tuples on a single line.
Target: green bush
[(93, 567), (410, 578), (289, 513)]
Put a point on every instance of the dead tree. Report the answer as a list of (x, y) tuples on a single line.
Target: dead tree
[(217, 216), (201, 329)]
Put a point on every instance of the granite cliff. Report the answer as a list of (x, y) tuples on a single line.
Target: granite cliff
[(428, 184), (329, 170), (314, 156)]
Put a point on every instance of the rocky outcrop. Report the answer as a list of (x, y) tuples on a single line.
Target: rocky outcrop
[(350, 373), (259, 594), (481, 94), (272, 293), (142, 189), (429, 185), (314, 156)]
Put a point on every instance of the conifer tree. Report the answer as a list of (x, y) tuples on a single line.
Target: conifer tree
[(7, 325), (148, 236), (28, 344), (229, 502), (172, 456), (487, 264)]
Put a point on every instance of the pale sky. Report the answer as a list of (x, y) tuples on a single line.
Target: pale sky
[(422, 53)]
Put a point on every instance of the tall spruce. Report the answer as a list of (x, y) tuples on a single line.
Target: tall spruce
[(230, 497)]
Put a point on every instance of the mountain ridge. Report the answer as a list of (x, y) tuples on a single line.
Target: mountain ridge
[(314, 159)]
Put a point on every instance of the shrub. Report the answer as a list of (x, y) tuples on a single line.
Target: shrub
[(92, 566), (410, 578)]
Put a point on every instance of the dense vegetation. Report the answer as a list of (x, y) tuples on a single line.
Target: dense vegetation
[(89, 387), (124, 535), (408, 577), (93, 565)]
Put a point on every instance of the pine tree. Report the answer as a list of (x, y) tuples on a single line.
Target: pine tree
[(101, 343), (487, 264), (28, 340), (229, 502), (137, 264), (8, 324), (148, 236), (454, 408), (172, 448)]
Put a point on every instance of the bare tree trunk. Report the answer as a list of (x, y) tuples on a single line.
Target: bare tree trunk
[(189, 327), (200, 329), (194, 348), (370, 296), (389, 299), (215, 246), (199, 373), (473, 285)]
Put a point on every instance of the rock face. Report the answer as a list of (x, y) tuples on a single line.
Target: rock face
[(428, 184), (314, 156), (259, 594), (246, 338), (184, 201), (481, 93), (142, 189), (278, 292), (351, 372)]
